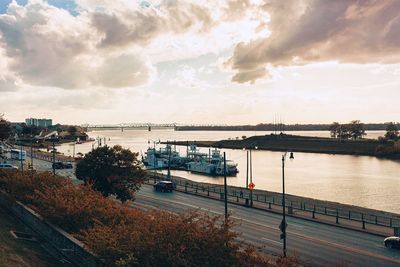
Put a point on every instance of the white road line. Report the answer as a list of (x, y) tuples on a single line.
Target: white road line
[(273, 241)]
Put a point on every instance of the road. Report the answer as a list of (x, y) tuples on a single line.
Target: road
[(43, 165), (315, 243)]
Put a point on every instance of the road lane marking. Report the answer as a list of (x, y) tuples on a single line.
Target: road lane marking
[(331, 244), (273, 241)]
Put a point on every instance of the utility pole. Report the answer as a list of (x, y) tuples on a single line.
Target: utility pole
[(20, 157), (283, 224), (247, 170), (169, 161), (32, 153), (54, 156), (251, 179), (225, 189)]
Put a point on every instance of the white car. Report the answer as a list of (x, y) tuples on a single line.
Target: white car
[(7, 166)]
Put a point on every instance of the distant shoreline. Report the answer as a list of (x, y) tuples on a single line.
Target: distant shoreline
[(363, 147), (276, 127)]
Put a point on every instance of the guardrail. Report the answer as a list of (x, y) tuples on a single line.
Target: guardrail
[(70, 248), (272, 202)]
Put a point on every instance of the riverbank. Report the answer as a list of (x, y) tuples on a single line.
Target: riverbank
[(284, 142)]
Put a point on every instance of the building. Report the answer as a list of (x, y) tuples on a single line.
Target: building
[(39, 122)]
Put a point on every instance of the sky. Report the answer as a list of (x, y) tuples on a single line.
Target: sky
[(201, 62)]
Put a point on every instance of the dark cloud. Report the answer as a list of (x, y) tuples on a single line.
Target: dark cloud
[(309, 31)]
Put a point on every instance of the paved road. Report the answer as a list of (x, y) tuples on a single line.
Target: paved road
[(43, 165), (316, 243)]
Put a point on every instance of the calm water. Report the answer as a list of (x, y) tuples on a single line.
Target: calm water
[(357, 180)]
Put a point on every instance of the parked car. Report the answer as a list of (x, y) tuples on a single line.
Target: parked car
[(67, 165), (392, 242), (62, 165), (164, 186), (8, 166)]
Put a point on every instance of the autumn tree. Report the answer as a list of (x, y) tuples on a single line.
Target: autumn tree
[(392, 132), (357, 130), (5, 128), (112, 171), (334, 128)]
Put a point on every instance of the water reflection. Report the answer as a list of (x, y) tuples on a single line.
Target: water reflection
[(357, 180)]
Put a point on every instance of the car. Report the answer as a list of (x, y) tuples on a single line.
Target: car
[(8, 166), (67, 165), (62, 165), (392, 242), (164, 186)]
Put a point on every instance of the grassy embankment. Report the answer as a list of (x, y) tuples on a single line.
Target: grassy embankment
[(367, 147), (17, 252)]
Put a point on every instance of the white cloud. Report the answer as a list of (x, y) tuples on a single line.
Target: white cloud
[(310, 31)]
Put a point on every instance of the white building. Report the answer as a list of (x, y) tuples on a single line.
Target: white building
[(39, 122)]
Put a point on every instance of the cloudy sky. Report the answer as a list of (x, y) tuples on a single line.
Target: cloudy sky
[(227, 61)]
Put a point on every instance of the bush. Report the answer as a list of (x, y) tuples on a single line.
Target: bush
[(126, 236)]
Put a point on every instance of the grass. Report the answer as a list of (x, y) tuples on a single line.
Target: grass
[(17, 252)]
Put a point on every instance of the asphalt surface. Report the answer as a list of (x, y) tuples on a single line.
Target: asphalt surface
[(315, 243), (43, 165)]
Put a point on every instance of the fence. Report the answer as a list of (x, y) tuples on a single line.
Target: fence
[(267, 200), (72, 249)]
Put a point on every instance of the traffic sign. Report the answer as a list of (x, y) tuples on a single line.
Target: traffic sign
[(251, 186)]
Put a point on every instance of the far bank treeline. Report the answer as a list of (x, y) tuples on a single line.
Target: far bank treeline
[(345, 139), (278, 127)]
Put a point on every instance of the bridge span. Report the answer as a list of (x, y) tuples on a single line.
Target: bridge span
[(148, 126)]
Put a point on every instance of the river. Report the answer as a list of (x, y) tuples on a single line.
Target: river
[(357, 180)]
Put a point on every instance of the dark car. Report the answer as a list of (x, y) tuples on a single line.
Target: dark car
[(164, 186), (67, 165), (62, 165), (392, 242), (58, 165)]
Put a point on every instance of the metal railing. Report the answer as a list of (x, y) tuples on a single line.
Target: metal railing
[(267, 201)]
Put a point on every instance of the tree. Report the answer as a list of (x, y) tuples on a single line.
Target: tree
[(5, 129), (334, 128), (392, 132), (112, 171), (357, 129), (72, 130)]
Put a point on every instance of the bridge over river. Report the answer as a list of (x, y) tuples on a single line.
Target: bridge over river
[(145, 125)]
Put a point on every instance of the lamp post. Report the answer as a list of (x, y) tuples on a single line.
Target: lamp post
[(251, 176), (283, 224), (154, 158), (225, 190), (169, 161)]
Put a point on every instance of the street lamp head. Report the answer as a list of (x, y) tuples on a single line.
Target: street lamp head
[(291, 155), (256, 147)]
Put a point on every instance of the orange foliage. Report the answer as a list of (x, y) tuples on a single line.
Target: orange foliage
[(126, 236)]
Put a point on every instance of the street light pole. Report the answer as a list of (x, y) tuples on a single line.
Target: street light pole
[(283, 206), (54, 156), (31, 153), (247, 170), (283, 224), (251, 179), (225, 189), (169, 162), (20, 157)]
